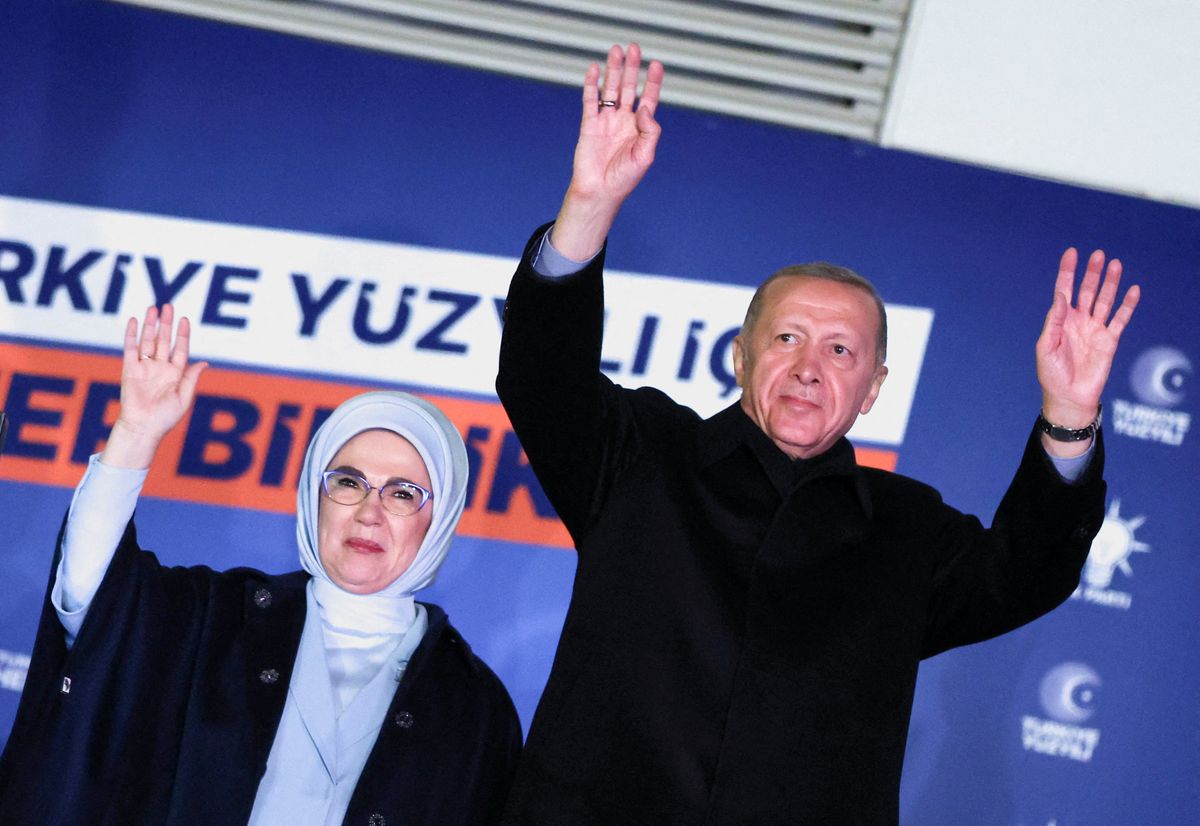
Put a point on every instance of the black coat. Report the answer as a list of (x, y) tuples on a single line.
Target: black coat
[(177, 682), (744, 633)]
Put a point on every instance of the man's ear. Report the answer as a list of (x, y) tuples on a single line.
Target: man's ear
[(739, 359), (876, 383)]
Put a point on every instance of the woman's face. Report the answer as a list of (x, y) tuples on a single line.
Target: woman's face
[(363, 547)]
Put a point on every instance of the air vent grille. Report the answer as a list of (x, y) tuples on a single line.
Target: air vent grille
[(815, 64)]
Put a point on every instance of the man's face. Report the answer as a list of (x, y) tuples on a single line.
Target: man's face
[(807, 366)]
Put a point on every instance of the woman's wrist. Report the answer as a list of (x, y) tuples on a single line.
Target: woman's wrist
[(130, 447)]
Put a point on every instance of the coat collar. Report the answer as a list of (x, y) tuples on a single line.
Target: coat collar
[(731, 429)]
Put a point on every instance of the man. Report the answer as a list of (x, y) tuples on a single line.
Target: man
[(750, 606)]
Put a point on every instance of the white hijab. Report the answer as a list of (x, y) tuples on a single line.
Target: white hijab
[(441, 447)]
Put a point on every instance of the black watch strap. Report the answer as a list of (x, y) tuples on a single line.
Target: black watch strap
[(1066, 434)]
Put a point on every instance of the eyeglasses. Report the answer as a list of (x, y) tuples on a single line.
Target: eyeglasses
[(400, 498)]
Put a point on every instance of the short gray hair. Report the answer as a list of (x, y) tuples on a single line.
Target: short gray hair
[(823, 271)]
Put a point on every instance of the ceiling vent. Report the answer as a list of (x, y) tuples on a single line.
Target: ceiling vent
[(815, 64)]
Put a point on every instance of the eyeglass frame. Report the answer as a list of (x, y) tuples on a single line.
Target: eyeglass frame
[(426, 494)]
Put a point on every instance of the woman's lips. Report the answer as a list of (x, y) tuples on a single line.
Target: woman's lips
[(365, 546)]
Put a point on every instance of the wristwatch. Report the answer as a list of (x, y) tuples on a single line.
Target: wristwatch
[(1066, 434)]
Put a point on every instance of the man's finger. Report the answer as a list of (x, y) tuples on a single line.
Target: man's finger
[(591, 91), (629, 76), (1091, 282), (1108, 291), (1065, 283), (1052, 328), (650, 92), (612, 73), (1125, 312)]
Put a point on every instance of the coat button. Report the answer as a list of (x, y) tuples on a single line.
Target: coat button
[(404, 719), (1084, 532), (268, 676), (262, 598), (376, 819)]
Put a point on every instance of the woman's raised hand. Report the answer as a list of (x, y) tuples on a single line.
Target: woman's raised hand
[(157, 387)]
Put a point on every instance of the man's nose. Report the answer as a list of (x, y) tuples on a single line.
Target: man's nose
[(806, 367)]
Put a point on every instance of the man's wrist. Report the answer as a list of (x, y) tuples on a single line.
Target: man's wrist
[(582, 226), (1072, 468), (1067, 433), (549, 262)]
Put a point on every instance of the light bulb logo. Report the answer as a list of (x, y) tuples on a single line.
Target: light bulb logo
[(1112, 547)]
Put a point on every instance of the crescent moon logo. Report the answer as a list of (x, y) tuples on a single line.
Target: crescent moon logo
[(1159, 376), (1068, 692)]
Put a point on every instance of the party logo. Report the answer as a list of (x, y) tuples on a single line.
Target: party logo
[(1110, 554), (1068, 695), (1159, 379)]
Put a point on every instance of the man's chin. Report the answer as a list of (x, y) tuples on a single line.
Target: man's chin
[(796, 443)]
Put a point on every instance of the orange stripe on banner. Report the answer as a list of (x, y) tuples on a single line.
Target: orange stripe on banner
[(243, 442), (876, 457)]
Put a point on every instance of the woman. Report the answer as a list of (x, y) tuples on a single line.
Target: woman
[(171, 695)]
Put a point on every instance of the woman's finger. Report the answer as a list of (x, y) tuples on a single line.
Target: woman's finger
[(149, 333), (183, 336), (162, 341)]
